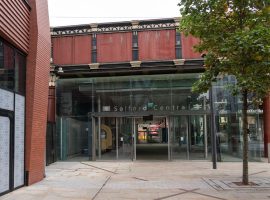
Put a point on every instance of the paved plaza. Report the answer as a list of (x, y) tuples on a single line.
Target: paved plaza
[(155, 180)]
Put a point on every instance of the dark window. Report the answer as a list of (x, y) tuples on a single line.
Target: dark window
[(20, 68), (94, 48), (1, 55), (178, 52), (12, 68), (7, 67), (94, 44), (135, 48), (178, 45), (52, 54), (135, 54), (94, 56), (178, 38)]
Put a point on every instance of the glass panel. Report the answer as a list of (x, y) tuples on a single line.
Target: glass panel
[(196, 138), (228, 110), (128, 97), (1, 55), (12, 68), (115, 138), (125, 142), (189, 137), (108, 138), (179, 137), (72, 134), (130, 94), (162, 95), (7, 69), (20, 70)]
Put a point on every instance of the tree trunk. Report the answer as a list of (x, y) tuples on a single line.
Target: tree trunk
[(245, 137)]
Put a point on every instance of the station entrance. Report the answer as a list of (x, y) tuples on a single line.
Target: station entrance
[(150, 117), (150, 137)]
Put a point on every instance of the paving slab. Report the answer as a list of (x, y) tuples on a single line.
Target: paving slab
[(153, 180)]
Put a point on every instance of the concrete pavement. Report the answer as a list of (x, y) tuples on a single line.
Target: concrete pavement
[(147, 180)]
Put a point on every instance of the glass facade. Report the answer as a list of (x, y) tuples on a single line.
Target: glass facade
[(12, 117), (12, 68), (228, 110), (150, 117)]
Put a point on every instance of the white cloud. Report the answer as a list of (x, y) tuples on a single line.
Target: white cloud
[(71, 12)]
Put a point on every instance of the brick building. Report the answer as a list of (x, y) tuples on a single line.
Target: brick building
[(123, 91), (24, 67)]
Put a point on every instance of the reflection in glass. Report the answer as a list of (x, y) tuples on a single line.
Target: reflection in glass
[(12, 68), (119, 100)]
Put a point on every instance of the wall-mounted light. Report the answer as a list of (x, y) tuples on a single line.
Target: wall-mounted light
[(60, 70)]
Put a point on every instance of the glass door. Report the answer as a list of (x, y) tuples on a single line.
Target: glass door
[(179, 137), (188, 137), (113, 138), (197, 138), (125, 138)]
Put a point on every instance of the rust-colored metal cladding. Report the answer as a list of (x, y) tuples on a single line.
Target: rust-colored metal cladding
[(72, 50), (62, 50), (187, 44), (156, 45), (114, 47), (51, 104), (14, 23), (82, 49), (266, 119)]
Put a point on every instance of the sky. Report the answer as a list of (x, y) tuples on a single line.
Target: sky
[(73, 12)]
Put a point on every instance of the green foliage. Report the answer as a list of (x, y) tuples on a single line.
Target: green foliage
[(235, 35)]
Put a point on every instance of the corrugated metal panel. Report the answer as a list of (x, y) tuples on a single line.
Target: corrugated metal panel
[(187, 47), (72, 50), (156, 45), (82, 49), (114, 47), (14, 23)]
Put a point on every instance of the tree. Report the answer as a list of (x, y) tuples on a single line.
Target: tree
[(235, 36)]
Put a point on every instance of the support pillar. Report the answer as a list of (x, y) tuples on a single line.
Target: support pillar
[(37, 76), (266, 119)]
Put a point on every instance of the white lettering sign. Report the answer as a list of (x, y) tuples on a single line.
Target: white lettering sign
[(129, 108)]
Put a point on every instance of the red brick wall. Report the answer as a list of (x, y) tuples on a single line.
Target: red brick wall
[(37, 77), (114, 47), (72, 50), (156, 45), (14, 23), (187, 47)]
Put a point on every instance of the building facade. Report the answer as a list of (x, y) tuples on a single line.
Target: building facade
[(123, 91), (24, 68)]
